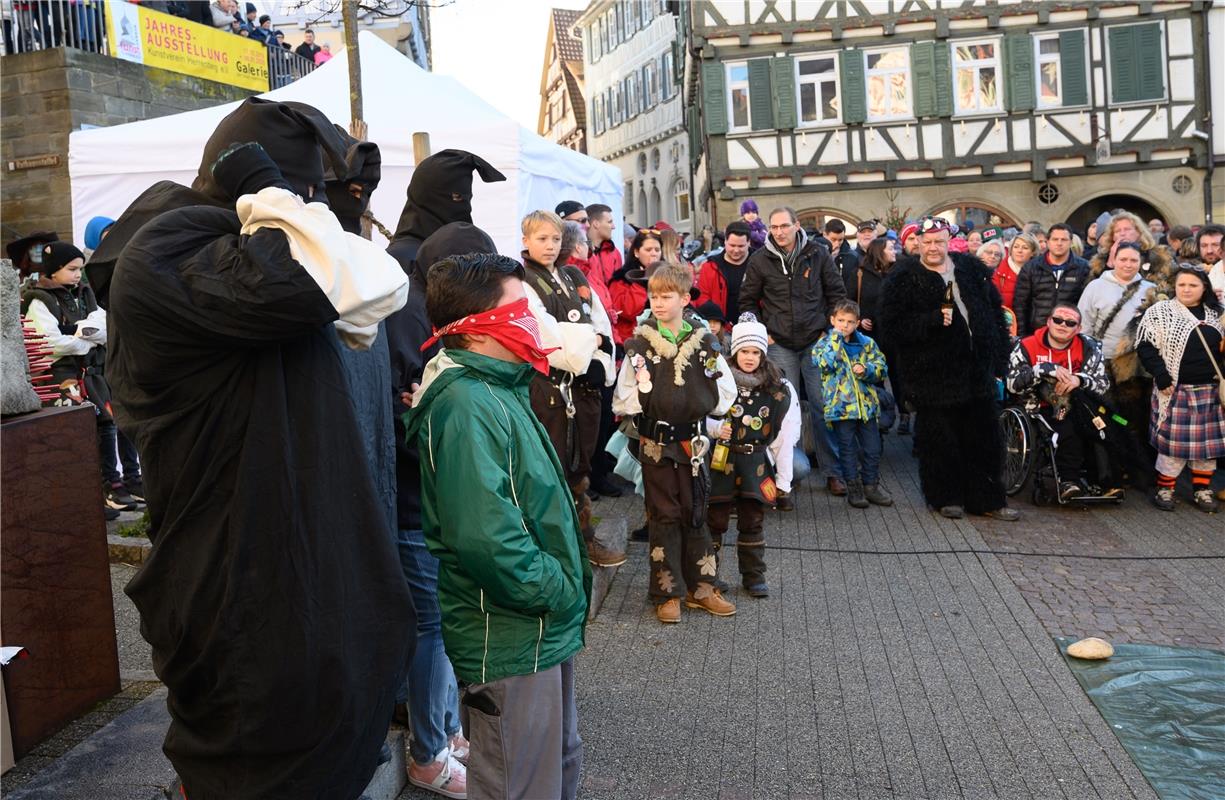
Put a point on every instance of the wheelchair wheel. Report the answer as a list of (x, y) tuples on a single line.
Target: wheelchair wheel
[(1020, 443)]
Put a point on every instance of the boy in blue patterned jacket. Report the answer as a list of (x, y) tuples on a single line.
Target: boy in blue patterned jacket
[(852, 366)]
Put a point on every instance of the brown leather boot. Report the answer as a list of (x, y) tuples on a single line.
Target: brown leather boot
[(836, 487), (669, 611), (711, 601), (600, 555)]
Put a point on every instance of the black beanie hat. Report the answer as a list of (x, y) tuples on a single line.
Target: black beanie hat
[(567, 207), (56, 255)]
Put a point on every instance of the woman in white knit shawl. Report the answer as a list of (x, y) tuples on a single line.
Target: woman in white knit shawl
[(1179, 344)]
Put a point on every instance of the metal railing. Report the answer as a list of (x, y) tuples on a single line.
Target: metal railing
[(286, 66), (32, 25)]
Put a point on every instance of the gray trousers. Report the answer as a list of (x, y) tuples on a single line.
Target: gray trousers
[(523, 734)]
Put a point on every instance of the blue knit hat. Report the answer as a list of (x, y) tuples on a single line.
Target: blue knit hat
[(94, 230)]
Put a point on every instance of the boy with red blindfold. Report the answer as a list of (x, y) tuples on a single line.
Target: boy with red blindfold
[(513, 578)]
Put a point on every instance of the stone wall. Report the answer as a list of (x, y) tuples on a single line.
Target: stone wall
[(49, 93)]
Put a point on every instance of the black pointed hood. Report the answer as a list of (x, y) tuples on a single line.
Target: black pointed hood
[(441, 192)]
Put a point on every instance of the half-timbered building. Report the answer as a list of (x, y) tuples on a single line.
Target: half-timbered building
[(1018, 111), (563, 113)]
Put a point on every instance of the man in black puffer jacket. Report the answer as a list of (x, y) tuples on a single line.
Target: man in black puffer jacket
[(792, 285), (1049, 279), (942, 316)]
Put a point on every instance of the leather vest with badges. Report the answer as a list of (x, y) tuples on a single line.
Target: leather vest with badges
[(565, 294)]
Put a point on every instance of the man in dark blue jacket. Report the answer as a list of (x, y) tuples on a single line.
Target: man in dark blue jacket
[(1049, 279)]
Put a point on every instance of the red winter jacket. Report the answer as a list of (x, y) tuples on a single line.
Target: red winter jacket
[(712, 288), (628, 300), (602, 264)]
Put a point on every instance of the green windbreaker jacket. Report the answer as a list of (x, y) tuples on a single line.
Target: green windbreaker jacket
[(513, 578)]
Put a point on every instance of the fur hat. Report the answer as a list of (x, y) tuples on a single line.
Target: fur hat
[(749, 333)]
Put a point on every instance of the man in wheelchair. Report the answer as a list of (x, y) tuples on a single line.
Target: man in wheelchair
[(1063, 370)]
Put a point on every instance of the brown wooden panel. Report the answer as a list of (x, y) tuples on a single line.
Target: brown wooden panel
[(55, 587)]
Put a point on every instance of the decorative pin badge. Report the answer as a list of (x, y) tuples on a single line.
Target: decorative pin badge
[(746, 420), (573, 315), (756, 423), (586, 308), (736, 410), (645, 387), (764, 413)]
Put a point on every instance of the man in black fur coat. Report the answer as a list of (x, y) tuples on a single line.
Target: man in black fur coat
[(943, 317)]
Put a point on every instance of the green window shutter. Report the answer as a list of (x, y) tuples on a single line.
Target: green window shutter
[(923, 78), (1124, 66), (942, 77), (761, 95), (714, 97), (1072, 68), (784, 92), (854, 93), (1150, 63), (1019, 61)]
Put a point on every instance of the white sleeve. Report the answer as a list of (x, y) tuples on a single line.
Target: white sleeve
[(575, 340), (363, 283), (713, 424), (49, 327), (783, 446), (625, 396), (727, 388), (603, 326)]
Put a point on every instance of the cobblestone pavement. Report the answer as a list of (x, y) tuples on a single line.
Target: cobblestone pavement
[(901, 655)]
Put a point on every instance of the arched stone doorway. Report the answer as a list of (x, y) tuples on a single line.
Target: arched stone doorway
[(1092, 209), (815, 219), (981, 214)]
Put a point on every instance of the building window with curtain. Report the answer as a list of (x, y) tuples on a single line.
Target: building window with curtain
[(976, 72), (817, 90), (888, 84), (1059, 64), (738, 96)]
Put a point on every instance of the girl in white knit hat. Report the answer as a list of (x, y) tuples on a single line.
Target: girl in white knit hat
[(759, 428)]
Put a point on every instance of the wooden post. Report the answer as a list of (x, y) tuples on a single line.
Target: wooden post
[(348, 13), (421, 147)]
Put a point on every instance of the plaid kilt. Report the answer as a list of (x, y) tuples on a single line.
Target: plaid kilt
[(1194, 427)]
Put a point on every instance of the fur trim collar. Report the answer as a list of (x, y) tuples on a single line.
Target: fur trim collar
[(667, 349)]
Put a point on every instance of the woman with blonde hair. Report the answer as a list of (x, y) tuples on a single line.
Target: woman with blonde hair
[(1127, 227), (670, 243), (1021, 249)]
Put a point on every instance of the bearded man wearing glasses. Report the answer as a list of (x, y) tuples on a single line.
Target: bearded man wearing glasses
[(944, 318)]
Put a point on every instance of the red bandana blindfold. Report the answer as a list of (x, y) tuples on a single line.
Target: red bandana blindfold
[(511, 326)]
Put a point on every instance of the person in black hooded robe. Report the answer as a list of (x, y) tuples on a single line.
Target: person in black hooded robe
[(439, 192), (276, 610)]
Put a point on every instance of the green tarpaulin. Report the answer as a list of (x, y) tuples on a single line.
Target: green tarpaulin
[(1167, 706)]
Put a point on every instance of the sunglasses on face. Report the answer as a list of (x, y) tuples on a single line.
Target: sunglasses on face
[(1065, 322), (582, 221)]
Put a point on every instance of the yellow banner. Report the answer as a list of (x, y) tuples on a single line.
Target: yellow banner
[(175, 44)]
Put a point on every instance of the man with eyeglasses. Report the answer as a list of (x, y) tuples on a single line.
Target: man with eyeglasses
[(1058, 360), (943, 317), (792, 285), (573, 211)]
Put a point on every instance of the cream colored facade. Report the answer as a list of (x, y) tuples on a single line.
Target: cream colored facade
[(635, 117)]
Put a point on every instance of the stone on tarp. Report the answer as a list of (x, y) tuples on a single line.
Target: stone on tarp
[(1091, 649), (18, 395)]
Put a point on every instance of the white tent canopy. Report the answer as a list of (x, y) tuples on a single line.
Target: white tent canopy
[(110, 167)]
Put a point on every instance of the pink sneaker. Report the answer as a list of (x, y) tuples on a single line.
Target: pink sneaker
[(444, 775), (459, 748)]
